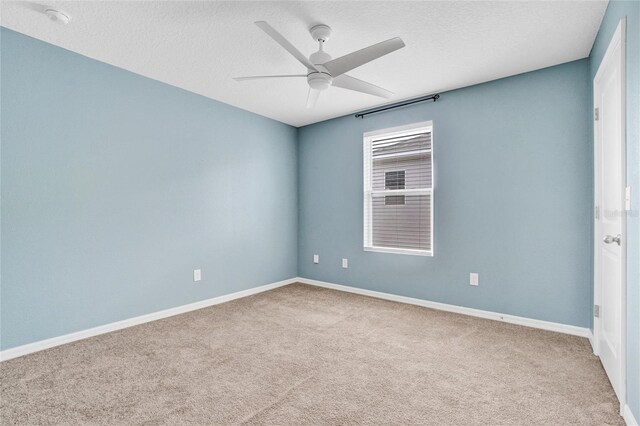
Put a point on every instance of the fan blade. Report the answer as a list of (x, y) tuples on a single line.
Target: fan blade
[(353, 60), (347, 82), (312, 97), (285, 43), (259, 77)]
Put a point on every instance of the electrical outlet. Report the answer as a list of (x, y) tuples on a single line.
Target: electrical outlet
[(473, 278), (316, 258), (197, 275), (345, 263)]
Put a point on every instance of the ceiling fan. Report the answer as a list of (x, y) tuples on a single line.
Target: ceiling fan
[(322, 71)]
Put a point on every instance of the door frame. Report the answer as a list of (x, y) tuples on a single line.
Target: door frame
[(617, 41)]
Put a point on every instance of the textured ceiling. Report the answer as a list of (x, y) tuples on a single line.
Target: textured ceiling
[(199, 46)]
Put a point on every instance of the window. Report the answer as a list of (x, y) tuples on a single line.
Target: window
[(398, 190), (394, 180)]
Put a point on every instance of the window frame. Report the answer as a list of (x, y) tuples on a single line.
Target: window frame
[(369, 193)]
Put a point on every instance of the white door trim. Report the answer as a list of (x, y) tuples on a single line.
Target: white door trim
[(617, 41)]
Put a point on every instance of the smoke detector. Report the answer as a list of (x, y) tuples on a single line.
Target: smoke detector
[(57, 16)]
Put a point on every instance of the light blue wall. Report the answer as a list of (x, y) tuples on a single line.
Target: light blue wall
[(115, 187), (616, 11), (512, 199)]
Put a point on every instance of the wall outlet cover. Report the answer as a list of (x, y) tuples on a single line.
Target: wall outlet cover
[(473, 278), (197, 275), (316, 258), (345, 263)]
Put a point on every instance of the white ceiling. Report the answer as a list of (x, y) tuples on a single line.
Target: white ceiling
[(200, 45)]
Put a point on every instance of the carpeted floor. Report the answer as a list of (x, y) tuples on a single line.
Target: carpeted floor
[(305, 355)]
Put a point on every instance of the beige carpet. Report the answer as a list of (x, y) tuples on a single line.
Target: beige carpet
[(305, 355)]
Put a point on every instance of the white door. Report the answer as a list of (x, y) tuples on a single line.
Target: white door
[(610, 287)]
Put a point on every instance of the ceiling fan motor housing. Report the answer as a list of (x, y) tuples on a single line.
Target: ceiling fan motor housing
[(320, 79), (320, 57)]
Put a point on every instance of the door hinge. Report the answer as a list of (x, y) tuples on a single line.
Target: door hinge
[(596, 114), (597, 212), (596, 311)]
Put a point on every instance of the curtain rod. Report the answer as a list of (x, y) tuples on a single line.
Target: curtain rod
[(398, 105)]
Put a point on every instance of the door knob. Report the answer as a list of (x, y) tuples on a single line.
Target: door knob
[(609, 239)]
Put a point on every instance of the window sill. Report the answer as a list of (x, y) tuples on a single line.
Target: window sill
[(399, 251)]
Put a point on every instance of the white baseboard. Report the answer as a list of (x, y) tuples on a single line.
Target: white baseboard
[(592, 342), (512, 319), (628, 417), (83, 334), (119, 325)]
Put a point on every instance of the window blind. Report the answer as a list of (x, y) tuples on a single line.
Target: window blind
[(398, 191)]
